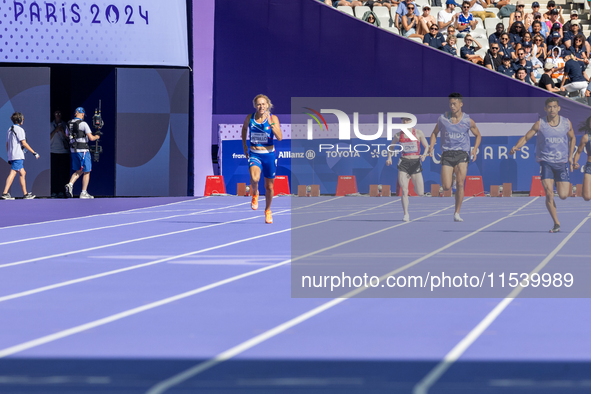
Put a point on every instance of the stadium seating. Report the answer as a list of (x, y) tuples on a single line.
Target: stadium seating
[(491, 22), (359, 11), (506, 23), (383, 15), (489, 31), (346, 10), (435, 11), (392, 29), (481, 33), (480, 24), (381, 12)]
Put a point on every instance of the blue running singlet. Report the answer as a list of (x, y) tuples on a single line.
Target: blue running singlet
[(261, 134), (552, 142), (455, 136)]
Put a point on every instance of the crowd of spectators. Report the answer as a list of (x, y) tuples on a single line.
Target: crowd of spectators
[(538, 48)]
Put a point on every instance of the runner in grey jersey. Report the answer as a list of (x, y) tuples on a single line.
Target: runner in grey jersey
[(455, 127), (555, 146)]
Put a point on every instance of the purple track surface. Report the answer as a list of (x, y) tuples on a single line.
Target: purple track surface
[(85, 308)]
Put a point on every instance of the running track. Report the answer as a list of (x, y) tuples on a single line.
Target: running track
[(194, 295)]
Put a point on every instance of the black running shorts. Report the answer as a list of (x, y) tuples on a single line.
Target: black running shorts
[(452, 158), (410, 166)]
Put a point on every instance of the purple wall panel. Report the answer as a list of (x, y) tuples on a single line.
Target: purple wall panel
[(304, 48), (202, 62)]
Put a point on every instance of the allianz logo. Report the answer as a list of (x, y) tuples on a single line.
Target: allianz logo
[(291, 155)]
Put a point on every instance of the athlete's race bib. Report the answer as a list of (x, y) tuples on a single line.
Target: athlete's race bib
[(409, 147), (259, 138)]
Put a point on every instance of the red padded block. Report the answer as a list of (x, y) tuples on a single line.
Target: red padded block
[(447, 193), (473, 186), (507, 189), (346, 185), (214, 184), (411, 189), (536, 188), (386, 191), (281, 185)]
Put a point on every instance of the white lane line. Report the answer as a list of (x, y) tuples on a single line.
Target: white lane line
[(101, 214), (123, 242), (117, 271), (117, 225), (432, 377), (161, 387), (96, 323), (138, 239)]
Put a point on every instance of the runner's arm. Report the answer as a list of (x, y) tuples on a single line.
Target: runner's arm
[(528, 136), (276, 127), (580, 150), (395, 140), (244, 130), (572, 143), (423, 140), (476, 133), (433, 139)]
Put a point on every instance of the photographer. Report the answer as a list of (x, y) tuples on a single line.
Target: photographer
[(16, 143), (80, 135)]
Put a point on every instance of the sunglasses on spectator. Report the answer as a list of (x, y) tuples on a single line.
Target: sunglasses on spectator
[(495, 48), (520, 6), (504, 39), (411, 8), (466, 7), (434, 29)]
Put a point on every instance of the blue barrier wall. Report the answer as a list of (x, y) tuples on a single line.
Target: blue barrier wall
[(26, 90), (152, 132)]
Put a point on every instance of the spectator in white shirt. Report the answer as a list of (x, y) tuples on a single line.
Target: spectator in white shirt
[(447, 17)]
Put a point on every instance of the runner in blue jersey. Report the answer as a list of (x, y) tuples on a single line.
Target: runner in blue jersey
[(262, 127), (555, 145), (455, 127), (585, 144)]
